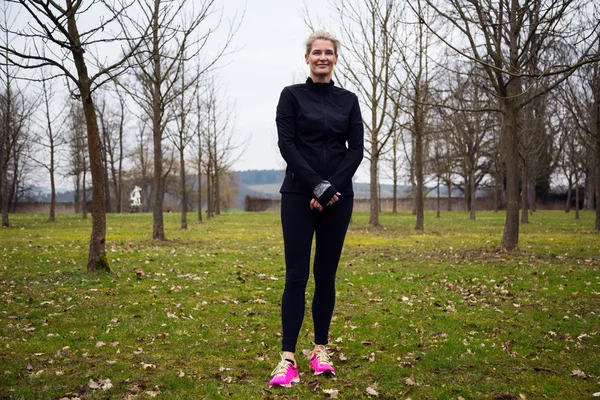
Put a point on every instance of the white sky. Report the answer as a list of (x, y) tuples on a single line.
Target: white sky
[(270, 56), (272, 39)]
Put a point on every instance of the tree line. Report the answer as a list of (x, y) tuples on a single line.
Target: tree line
[(500, 95), (141, 66)]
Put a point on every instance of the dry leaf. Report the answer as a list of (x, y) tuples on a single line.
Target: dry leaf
[(171, 315), (579, 373), (100, 344), (103, 384), (372, 392), (181, 374), (410, 381), (147, 366), (313, 385), (332, 393), (343, 357)]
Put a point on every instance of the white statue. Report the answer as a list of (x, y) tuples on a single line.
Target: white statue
[(136, 197)]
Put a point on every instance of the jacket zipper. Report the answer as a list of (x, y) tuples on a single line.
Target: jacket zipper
[(326, 129)]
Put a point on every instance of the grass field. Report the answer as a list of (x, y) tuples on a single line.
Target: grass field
[(444, 314)]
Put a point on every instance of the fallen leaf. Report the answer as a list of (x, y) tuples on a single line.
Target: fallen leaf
[(579, 373), (103, 384), (171, 315), (343, 357), (313, 385), (147, 366), (100, 344), (597, 394), (181, 374), (372, 392), (410, 381), (332, 393)]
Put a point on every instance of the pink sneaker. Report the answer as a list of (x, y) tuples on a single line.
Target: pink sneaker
[(284, 374), (320, 361)]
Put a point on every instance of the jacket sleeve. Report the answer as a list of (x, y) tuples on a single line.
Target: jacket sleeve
[(351, 161), (286, 134)]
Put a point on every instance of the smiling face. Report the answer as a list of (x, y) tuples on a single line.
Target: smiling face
[(321, 60)]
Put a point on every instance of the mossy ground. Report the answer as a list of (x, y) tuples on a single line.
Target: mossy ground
[(447, 308)]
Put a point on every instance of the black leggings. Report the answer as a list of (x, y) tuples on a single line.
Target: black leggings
[(299, 224)]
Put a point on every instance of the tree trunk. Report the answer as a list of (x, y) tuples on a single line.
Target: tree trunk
[(524, 196), (596, 131), (52, 216), (107, 205), (84, 193), (183, 190), (588, 200), (531, 197), (4, 187), (217, 192), (568, 204), (200, 193), (209, 194), (158, 228), (419, 166), (76, 196), (472, 214), (374, 198), (119, 183), (97, 253), (576, 198), (449, 185), (5, 149), (395, 197), (438, 198), (510, 237)]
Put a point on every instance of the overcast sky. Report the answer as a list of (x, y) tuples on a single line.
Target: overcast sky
[(271, 39)]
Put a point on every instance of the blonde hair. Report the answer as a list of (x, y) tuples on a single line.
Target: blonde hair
[(322, 35)]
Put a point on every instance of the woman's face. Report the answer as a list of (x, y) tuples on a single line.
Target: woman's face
[(322, 58)]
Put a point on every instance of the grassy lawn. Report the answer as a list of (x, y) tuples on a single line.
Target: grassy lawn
[(444, 314)]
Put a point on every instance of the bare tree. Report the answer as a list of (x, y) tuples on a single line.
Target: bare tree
[(56, 27), (79, 164), (50, 140), (500, 37), (173, 30), (142, 170), (221, 146), (112, 118)]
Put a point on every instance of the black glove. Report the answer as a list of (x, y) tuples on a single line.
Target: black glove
[(324, 192)]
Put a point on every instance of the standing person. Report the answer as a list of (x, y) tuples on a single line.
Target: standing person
[(320, 132)]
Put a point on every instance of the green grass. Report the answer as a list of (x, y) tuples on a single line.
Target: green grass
[(447, 307)]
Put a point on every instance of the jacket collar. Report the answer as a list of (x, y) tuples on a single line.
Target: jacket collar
[(319, 87)]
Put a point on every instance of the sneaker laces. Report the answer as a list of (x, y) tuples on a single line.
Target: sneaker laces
[(322, 356), (282, 367)]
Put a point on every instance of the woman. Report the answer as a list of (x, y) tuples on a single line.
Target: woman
[(320, 132)]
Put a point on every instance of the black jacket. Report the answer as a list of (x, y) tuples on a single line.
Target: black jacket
[(314, 123)]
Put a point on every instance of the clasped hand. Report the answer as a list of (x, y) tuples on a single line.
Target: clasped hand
[(314, 204)]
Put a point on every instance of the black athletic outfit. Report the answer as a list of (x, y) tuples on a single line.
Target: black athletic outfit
[(321, 138)]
